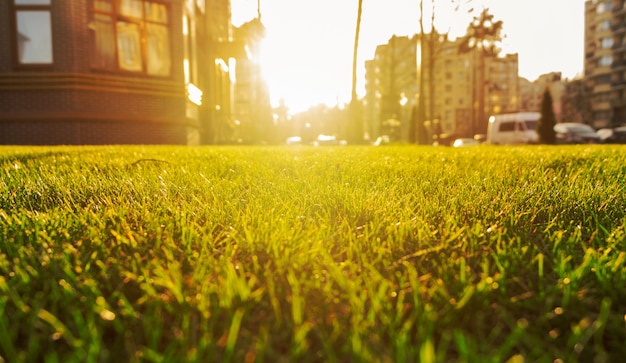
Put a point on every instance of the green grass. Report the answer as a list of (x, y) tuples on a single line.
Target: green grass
[(303, 254)]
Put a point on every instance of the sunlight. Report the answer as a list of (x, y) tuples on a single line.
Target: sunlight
[(304, 63), (306, 55)]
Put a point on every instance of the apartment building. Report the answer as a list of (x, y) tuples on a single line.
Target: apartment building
[(457, 81), (599, 59), (618, 67), (451, 101), (502, 84), (112, 71), (391, 87)]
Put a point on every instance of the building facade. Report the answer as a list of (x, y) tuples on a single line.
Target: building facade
[(618, 67), (576, 106), (391, 85), (111, 71), (450, 87), (599, 59), (532, 94), (456, 96)]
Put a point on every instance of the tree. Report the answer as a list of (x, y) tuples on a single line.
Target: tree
[(434, 46), (545, 127), (430, 49), (419, 111), (483, 37), (356, 133)]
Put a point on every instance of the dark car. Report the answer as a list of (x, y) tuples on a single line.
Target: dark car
[(613, 136), (575, 133)]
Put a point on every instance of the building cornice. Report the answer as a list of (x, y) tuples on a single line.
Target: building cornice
[(43, 81)]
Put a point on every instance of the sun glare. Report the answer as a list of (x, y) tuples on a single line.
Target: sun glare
[(301, 79), (306, 56), (305, 61)]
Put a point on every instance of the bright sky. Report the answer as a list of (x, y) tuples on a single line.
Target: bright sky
[(307, 54)]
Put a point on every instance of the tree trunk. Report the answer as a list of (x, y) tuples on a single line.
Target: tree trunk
[(432, 55), (356, 134), (422, 136), (481, 94)]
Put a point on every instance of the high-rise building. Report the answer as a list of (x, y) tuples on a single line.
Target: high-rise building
[(600, 63), (618, 67), (450, 86), (457, 92), (391, 87)]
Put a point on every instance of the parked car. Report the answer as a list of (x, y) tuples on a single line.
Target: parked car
[(294, 140), (613, 136), (575, 133), (328, 140), (382, 140), (465, 141), (480, 138), (513, 128)]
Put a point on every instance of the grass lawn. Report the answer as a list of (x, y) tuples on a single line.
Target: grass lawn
[(305, 254)]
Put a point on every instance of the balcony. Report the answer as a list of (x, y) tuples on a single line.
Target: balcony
[(618, 102), (618, 28), (619, 46), (619, 10), (617, 88), (618, 65)]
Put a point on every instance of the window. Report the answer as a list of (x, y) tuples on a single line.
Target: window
[(607, 42), (531, 124), (507, 126), (189, 50), (131, 35), (32, 32), (605, 61), (604, 7), (605, 25), (602, 79)]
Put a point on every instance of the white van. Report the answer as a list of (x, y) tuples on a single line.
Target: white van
[(513, 128)]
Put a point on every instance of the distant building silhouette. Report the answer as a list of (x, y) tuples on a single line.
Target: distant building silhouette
[(576, 105), (252, 108), (391, 85), (532, 93)]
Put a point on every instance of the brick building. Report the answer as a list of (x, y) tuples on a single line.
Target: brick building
[(112, 71)]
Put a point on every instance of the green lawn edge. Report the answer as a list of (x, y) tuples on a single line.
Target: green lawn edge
[(335, 254)]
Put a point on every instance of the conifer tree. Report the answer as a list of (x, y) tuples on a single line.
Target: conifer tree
[(545, 128)]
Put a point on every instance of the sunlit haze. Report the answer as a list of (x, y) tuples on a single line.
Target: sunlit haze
[(307, 52)]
